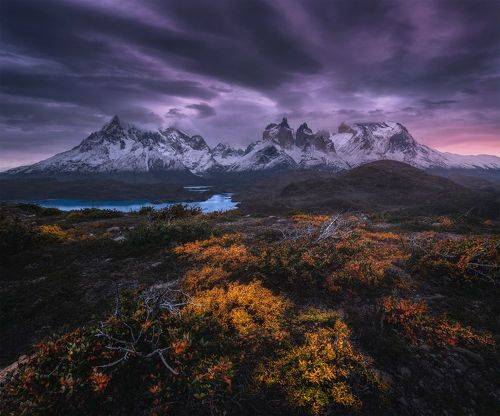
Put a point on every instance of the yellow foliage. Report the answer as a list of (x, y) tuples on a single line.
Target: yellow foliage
[(204, 278), (250, 310), (227, 252), (53, 232), (365, 259), (324, 373), (309, 219)]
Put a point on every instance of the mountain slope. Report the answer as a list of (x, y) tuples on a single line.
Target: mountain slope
[(366, 142), (118, 148)]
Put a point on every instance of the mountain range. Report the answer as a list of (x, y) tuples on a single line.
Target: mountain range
[(125, 148)]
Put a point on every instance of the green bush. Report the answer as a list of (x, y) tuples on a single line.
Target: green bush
[(90, 214), (37, 209), (175, 212), (145, 211), (158, 233), (295, 264)]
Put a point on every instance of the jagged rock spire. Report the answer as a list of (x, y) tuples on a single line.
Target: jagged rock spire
[(284, 123), (114, 128), (115, 120), (304, 135)]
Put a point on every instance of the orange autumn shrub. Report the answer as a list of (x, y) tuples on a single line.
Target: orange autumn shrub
[(204, 278), (409, 317), (414, 322), (365, 258), (52, 233), (249, 311), (99, 380), (302, 220), (217, 375), (59, 369), (368, 242), (463, 260), (227, 252), (215, 260), (324, 374)]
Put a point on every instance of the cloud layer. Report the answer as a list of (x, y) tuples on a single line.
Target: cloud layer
[(225, 69)]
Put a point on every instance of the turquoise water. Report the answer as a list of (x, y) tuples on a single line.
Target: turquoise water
[(198, 188), (219, 202)]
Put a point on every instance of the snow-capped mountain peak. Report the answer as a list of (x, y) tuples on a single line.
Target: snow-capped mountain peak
[(113, 128), (280, 133), (118, 147)]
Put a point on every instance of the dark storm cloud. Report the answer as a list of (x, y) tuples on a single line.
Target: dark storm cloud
[(231, 67), (437, 104), (175, 113), (203, 110), (100, 91)]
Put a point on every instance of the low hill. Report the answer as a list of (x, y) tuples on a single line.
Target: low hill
[(379, 186)]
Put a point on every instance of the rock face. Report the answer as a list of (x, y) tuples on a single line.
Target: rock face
[(281, 134), (223, 151), (344, 128), (125, 148), (304, 135)]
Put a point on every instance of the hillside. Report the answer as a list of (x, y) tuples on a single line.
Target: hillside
[(376, 187)]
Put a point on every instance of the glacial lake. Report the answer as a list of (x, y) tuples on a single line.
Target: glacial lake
[(217, 202)]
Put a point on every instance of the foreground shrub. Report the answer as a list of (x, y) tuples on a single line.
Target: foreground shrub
[(150, 234), (152, 356), (16, 237), (175, 212), (413, 321), (215, 261), (52, 233), (248, 312), (296, 264), (324, 374), (306, 220), (91, 214), (364, 261), (472, 260)]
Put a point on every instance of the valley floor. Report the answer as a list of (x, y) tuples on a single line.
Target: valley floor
[(178, 312)]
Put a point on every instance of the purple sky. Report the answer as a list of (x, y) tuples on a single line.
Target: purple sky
[(225, 69)]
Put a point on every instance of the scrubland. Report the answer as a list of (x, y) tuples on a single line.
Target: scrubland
[(178, 312)]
